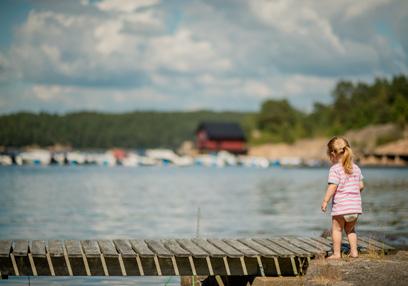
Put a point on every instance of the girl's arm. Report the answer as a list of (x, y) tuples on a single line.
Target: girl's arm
[(361, 186), (331, 189)]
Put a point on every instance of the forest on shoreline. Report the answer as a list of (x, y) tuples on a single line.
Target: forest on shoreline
[(354, 106)]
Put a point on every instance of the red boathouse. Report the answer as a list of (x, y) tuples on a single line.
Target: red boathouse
[(217, 136)]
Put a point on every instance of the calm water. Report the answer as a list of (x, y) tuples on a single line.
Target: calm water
[(162, 202)]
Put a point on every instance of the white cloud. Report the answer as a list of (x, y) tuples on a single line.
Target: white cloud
[(127, 6), (358, 8), (180, 52), (296, 19)]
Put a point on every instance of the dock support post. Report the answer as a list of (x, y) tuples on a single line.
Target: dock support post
[(158, 269), (292, 261), (227, 269), (139, 265), (277, 266), (261, 269)]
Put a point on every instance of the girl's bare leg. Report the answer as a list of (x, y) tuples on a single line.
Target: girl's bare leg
[(337, 228), (349, 227)]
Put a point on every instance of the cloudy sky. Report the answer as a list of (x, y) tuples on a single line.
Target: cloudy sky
[(124, 55)]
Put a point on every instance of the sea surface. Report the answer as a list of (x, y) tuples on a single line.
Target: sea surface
[(91, 202)]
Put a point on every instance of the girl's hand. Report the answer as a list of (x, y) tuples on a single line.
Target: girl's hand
[(324, 206)]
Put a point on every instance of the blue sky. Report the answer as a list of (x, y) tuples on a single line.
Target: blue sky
[(117, 56)]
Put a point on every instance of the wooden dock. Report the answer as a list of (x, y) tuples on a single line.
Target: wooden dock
[(277, 256)]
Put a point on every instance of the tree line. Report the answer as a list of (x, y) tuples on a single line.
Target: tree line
[(354, 105), (142, 129)]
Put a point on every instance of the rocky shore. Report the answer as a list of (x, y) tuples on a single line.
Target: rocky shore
[(367, 270)]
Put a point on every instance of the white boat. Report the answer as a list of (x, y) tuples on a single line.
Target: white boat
[(254, 161), (5, 160), (167, 156), (131, 160), (75, 158), (35, 157)]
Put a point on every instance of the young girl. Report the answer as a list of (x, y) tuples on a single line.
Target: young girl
[(344, 184)]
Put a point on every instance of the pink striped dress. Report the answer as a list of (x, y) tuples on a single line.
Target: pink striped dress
[(347, 198)]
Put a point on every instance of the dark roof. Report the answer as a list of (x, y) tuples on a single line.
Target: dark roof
[(222, 130)]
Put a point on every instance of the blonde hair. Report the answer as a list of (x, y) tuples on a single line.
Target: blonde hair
[(338, 146)]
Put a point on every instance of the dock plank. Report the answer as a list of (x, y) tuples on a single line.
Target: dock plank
[(283, 243), (107, 248), (91, 248), (6, 267), (20, 247), (208, 247), (175, 248), (141, 248), (20, 252), (37, 248), (241, 247), (73, 248), (93, 256), (74, 252), (110, 255), (38, 251), (193, 248), (215, 246), (300, 244), (314, 243), (55, 248), (5, 248), (56, 252), (124, 248), (275, 247), (262, 250), (158, 248), (322, 240)]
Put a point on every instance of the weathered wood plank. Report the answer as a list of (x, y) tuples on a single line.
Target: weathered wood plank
[(74, 252), (20, 252), (317, 244), (229, 250), (107, 248), (283, 243), (300, 244), (175, 248), (323, 240), (283, 252), (55, 248), (56, 252), (37, 248), (158, 248), (193, 248), (141, 248), (124, 248), (262, 250), (111, 257), (208, 247), (73, 248), (128, 255), (242, 248), (91, 248), (93, 256), (20, 247), (5, 248), (38, 252), (6, 267)]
